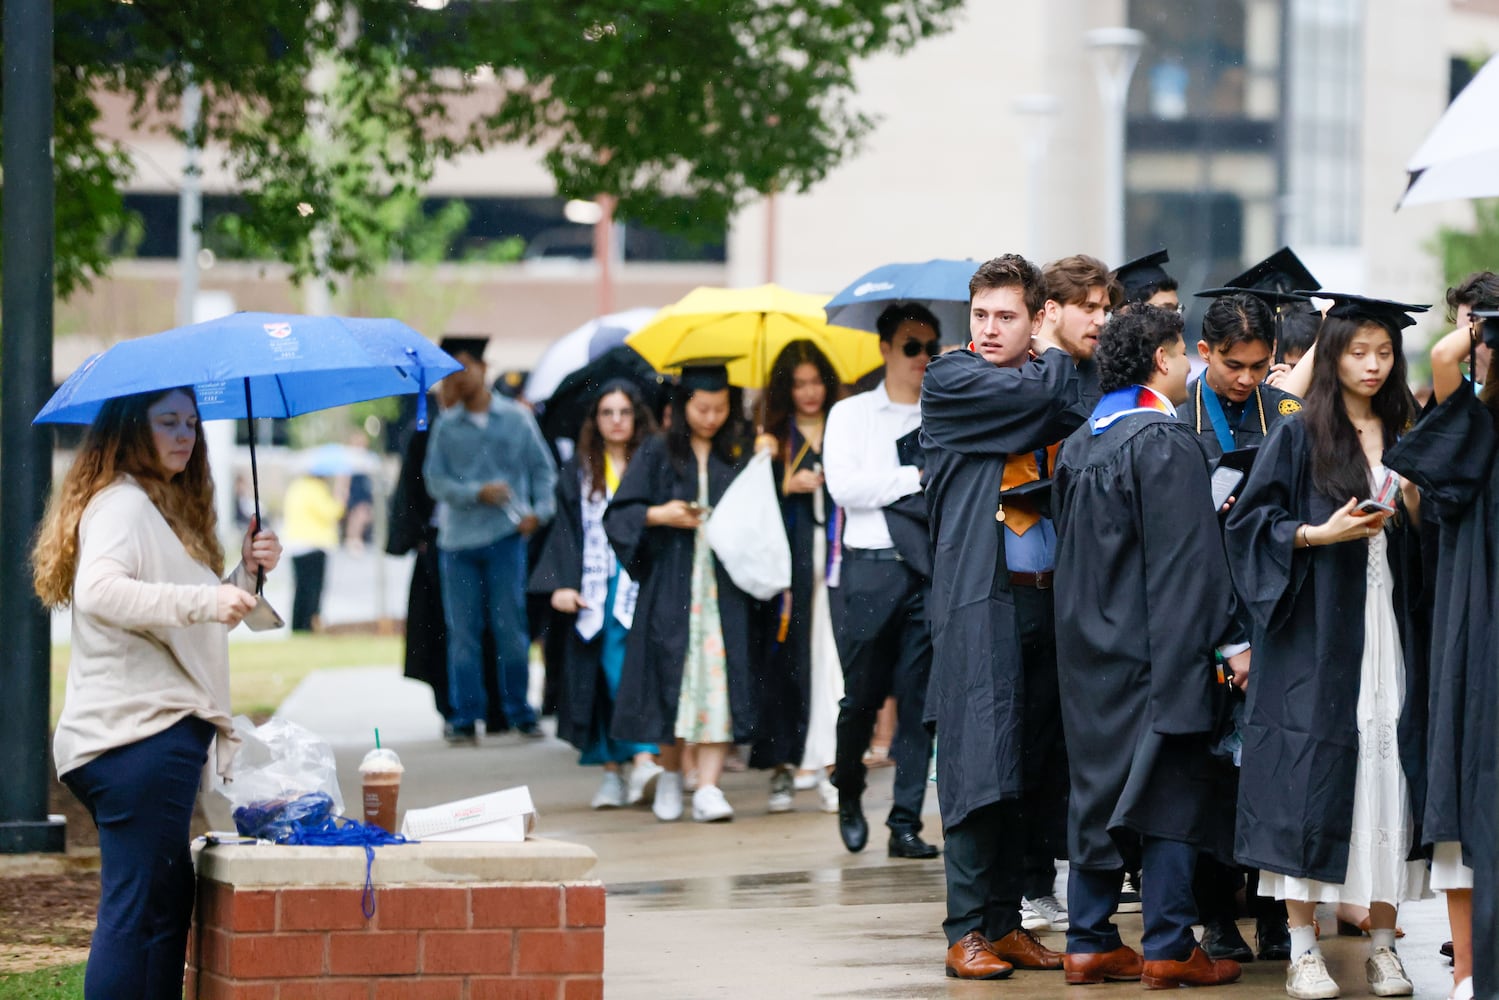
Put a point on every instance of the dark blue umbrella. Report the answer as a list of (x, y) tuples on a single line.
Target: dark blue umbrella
[(250, 365), (939, 285)]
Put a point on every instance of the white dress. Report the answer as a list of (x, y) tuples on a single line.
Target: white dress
[(827, 672), (1382, 827)]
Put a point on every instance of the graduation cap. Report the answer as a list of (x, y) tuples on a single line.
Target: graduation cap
[(707, 374), (1142, 273), (1393, 316), (472, 344), (1279, 279)]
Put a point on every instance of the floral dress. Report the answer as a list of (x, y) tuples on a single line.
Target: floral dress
[(703, 706)]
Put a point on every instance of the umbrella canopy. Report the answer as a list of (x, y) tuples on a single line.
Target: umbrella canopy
[(563, 414), (752, 325), (941, 286), (576, 349), (1460, 157), (257, 364)]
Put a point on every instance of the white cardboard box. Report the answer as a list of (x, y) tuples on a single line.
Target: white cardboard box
[(505, 816)]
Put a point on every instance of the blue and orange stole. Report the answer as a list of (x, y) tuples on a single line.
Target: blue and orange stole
[(1123, 402)]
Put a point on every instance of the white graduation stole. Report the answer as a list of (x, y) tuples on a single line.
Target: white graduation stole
[(599, 563)]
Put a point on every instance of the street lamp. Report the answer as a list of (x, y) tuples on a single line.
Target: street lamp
[(1115, 51), (1040, 113)]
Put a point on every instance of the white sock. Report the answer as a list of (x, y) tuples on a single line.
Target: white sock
[(1303, 940), (1382, 937)]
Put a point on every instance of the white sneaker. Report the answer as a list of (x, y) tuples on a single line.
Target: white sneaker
[(829, 796), (1043, 913), (806, 780), (782, 792), (611, 793), (709, 805), (1307, 979), (668, 802), (1386, 974), (641, 778)]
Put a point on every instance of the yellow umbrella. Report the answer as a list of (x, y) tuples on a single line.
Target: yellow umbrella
[(753, 325)]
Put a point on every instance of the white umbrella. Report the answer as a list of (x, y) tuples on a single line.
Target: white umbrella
[(1460, 157), (574, 350)]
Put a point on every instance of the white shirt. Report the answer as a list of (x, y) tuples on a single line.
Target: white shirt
[(861, 467)]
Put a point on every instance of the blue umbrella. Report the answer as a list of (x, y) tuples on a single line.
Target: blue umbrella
[(939, 285), (250, 364)]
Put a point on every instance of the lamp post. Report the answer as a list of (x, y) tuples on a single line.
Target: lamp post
[(1039, 112), (1115, 51)]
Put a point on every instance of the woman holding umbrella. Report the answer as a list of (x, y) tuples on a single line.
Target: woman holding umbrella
[(130, 541)]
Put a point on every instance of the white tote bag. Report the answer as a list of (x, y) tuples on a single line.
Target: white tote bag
[(746, 532)]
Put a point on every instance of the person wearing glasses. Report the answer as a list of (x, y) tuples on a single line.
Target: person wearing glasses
[(878, 604)]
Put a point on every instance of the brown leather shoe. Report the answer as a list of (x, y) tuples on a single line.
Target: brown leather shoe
[(1119, 965), (1197, 970), (1022, 950), (973, 958)]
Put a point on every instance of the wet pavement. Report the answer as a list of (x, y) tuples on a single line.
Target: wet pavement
[(772, 905)]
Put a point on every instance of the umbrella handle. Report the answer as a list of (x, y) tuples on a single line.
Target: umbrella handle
[(254, 479)]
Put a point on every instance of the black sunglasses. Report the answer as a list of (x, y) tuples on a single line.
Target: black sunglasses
[(911, 348)]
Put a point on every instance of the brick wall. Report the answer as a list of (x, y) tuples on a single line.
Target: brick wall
[(476, 941)]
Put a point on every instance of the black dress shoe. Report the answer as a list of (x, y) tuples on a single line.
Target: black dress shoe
[(1274, 940), (1221, 939), (909, 845), (1446, 951), (460, 735), (852, 826)]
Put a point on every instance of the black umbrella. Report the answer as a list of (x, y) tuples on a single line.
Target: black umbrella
[(562, 415)]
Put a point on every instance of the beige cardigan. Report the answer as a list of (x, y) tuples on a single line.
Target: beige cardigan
[(147, 650)]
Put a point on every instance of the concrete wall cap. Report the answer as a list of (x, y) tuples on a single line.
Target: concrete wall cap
[(535, 860)]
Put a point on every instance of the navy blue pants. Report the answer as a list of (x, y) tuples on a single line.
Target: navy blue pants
[(141, 798), (1166, 903)]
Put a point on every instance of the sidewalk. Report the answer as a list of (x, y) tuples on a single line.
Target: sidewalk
[(763, 906)]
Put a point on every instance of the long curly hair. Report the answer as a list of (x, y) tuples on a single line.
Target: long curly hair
[(591, 442), (1339, 469), (120, 443), (779, 406)]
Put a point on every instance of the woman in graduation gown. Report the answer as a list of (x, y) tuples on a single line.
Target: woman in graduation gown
[(1449, 454), (692, 652), (1333, 736), (578, 570), (803, 680)]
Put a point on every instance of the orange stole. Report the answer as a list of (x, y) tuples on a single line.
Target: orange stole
[(1020, 515)]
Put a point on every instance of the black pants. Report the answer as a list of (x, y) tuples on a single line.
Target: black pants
[(879, 622), (984, 880), (1216, 888), (1044, 767), (307, 571)]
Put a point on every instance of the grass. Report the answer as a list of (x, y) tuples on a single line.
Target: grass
[(262, 674), (61, 982)]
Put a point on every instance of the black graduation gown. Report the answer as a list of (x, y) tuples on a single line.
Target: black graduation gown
[(1278, 404), (411, 530), (1136, 633), (660, 558), (1450, 454), (973, 416), (786, 687), (1307, 607), (583, 696)]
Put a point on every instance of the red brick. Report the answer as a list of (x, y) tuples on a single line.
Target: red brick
[(560, 951), (467, 951), (421, 909), (190, 983), (588, 988), (213, 953), (236, 909), (372, 953), (324, 989), (321, 910), (211, 987), (517, 906), (585, 906), (426, 988), (273, 956), (514, 989)]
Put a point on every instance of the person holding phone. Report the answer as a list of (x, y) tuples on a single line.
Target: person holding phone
[(131, 542), (1333, 738), (691, 657)]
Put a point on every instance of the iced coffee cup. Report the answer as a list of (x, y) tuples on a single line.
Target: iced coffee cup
[(381, 772)]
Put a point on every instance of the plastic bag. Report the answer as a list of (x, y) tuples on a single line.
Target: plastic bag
[(747, 534), (278, 764)]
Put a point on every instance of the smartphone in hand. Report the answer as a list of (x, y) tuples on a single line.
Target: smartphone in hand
[(1383, 501)]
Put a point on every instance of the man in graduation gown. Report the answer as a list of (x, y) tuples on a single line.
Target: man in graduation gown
[(1145, 280), (1143, 600), (992, 417)]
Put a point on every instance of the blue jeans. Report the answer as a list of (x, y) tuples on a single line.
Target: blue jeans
[(486, 582), (141, 798)]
